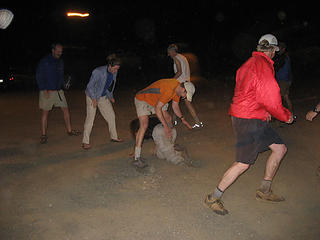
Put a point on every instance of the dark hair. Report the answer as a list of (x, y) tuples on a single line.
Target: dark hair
[(173, 47), (135, 125), (113, 60), (54, 45)]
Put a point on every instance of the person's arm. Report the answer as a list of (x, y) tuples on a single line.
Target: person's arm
[(93, 87), (313, 113), (158, 110), (268, 95), (192, 111), (41, 81), (177, 111), (61, 74), (178, 66)]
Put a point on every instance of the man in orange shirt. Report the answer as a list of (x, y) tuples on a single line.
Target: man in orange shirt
[(154, 99)]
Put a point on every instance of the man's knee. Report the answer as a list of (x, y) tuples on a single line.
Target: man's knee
[(280, 149), (242, 166)]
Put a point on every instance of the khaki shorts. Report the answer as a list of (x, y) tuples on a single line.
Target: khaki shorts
[(145, 109), (56, 99)]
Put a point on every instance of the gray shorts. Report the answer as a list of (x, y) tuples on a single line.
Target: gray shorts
[(253, 136), (145, 109)]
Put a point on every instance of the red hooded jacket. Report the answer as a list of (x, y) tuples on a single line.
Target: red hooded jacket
[(257, 93)]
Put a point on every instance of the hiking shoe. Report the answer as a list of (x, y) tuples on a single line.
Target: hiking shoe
[(268, 197), (74, 133), (139, 163), (216, 205), (43, 139)]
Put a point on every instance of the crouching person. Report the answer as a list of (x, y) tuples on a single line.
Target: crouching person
[(165, 148)]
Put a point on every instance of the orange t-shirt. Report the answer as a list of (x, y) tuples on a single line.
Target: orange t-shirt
[(163, 90)]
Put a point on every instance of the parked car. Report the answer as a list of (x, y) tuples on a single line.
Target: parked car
[(7, 77)]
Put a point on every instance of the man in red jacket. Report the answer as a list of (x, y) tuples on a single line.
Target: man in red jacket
[(256, 98)]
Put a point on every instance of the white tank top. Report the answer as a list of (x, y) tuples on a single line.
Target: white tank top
[(185, 75)]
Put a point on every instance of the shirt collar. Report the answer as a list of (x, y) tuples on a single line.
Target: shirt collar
[(262, 54)]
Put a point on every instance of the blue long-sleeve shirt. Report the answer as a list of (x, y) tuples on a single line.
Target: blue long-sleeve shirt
[(50, 73), (96, 86), (285, 73)]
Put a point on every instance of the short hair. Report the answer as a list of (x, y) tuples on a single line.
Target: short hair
[(173, 47), (113, 60), (265, 46), (54, 45)]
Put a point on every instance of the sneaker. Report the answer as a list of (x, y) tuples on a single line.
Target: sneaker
[(139, 163), (216, 205), (268, 197)]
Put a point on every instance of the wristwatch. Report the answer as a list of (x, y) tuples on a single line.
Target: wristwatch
[(316, 110)]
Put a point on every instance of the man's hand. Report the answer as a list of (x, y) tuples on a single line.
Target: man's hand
[(112, 100), (269, 118), (168, 132), (290, 119), (94, 103), (186, 123), (47, 94), (311, 115)]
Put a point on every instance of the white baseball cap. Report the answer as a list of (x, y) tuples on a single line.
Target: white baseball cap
[(272, 40), (190, 90), (6, 17)]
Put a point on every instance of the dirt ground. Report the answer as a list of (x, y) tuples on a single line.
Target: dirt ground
[(59, 191)]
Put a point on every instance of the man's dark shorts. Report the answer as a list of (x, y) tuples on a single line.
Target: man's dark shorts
[(253, 137)]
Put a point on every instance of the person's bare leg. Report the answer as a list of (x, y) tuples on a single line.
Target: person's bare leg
[(213, 200), (273, 162), (66, 116), (264, 192), (144, 121), (44, 122), (232, 174)]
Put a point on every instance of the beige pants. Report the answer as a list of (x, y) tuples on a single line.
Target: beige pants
[(106, 110)]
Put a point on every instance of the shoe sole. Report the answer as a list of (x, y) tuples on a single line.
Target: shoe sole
[(267, 201)]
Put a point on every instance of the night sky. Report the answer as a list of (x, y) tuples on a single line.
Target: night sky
[(212, 29)]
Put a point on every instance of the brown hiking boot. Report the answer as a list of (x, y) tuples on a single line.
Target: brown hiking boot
[(216, 205), (268, 197)]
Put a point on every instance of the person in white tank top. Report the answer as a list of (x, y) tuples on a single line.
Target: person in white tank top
[(182, 74), (181, 68)]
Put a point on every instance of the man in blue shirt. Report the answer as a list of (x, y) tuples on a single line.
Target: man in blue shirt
[(282, 65), (99, 94), (50, 78)]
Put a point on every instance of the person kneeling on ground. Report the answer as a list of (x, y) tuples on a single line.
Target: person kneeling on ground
[(165, 148)]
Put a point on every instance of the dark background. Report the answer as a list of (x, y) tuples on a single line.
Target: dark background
[(222, 34)]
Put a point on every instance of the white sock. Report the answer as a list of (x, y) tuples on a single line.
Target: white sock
[(137, 152)]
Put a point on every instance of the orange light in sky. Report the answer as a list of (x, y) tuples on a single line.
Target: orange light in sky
[(76, 14)]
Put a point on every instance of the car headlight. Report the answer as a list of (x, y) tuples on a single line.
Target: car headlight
[(1, 80)]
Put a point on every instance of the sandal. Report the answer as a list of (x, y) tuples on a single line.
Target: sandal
[(43, 139), (86, 146), (119, 140), (74, 133)]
